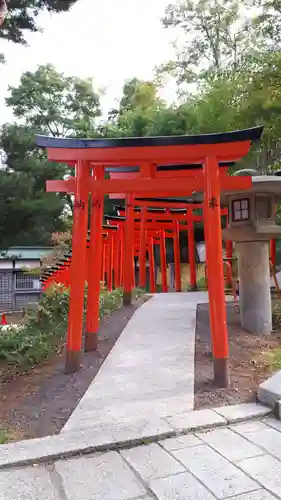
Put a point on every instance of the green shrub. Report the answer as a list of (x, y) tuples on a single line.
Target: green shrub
[(4, 436), (45, 328), (276, 314)]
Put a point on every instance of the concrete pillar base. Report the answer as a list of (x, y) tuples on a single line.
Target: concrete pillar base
[(72, 362), (91, 342), (127, 298), (254, 287), (221, 372)]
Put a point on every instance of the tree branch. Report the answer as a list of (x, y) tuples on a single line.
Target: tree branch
[(3, 11)]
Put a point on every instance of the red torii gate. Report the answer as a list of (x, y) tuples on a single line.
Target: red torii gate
[(148, 153), (178, 211)]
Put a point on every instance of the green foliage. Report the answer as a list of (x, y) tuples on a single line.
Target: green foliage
[(55, 104), (201, 284), (22, 15), (276, 314), (49, 103), (215, 37), (137, 111), (275, 359), (4, 436), (45, 328)]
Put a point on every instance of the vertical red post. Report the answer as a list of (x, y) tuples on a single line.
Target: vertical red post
[(273, 252), (176, 240), (94, 267), (191, 250), (152, 281), (215, 273), (110, 262), (142, 251), (128, 269), (163, 261), (121, 263), (229, 253), (116, 257), (78, 268)]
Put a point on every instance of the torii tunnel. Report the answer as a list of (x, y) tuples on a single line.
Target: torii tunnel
[(175, 166)]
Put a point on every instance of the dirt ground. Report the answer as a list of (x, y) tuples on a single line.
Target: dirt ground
[(39, 402), (248, 362)]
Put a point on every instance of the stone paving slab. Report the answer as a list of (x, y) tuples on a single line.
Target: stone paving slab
[(179, 442), (106, 476), (194, 420), (150, 370), (220, 476), (180, 487), (266, 470), (199, 466), (33, 483), (230, 445), (255, 495), (152, 462), (265, 437)]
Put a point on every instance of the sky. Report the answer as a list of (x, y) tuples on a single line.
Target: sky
[(108, 40)]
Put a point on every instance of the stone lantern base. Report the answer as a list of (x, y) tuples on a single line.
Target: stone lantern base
[(254, 290)]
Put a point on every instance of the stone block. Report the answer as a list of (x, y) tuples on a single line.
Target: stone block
[(53, 447), (221, 477), (230, 445), (269, 392), (265, 470), (179, 442), (196, 420), (104, 477), (243, 411), (277, 409), (152, 461), (32, 483), (180, 487)]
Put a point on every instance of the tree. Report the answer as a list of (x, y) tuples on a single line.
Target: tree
[(29, 215), (137, 108), (55, 104), (21, 16), (45, 102), (216, 38)]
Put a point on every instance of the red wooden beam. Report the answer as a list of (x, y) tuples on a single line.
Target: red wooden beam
[(195, 153)]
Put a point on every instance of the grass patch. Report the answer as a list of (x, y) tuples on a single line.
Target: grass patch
[(4, 436), (45, 328), (276, 359)]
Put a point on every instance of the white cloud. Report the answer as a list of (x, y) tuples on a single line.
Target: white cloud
[(108, 40)]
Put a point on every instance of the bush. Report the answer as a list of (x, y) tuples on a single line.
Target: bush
[(276, 314), (45, 328)]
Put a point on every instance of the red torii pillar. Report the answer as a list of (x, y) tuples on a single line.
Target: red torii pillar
[(191, 251), (78, 267), (95, 265), (128, 266), (215, 272)]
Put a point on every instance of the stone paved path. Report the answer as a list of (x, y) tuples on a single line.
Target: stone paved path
[(150, 371), (238, 462), (143, 396)]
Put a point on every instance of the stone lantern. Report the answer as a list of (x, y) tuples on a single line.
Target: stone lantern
[(251, 225)]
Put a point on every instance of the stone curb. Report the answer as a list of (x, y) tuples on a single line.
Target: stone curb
[(269, 392), (75, 443)]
